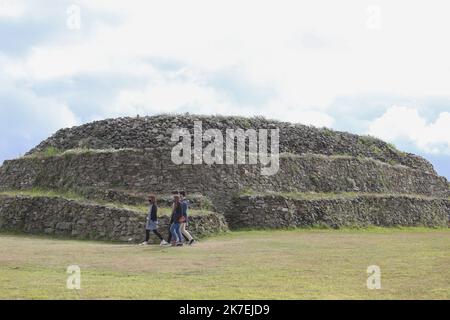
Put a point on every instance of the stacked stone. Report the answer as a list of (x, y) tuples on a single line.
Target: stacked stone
[(71, 218), (278, 211), (156, 132), (122, 160)]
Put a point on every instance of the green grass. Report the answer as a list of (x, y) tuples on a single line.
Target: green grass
[(282, 264), (55, 152), (70, 195), (51, 151), (39, 192)]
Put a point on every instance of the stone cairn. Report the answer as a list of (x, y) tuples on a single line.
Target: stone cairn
[(91, 181)]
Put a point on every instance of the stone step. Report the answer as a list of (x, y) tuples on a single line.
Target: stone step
[(196, 201), (338, 210), (146, 170), (156, 132), (55, 215)]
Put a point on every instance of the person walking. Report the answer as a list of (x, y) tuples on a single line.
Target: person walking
[(177, 218), (185, 207), (169, 239), (152, 222)]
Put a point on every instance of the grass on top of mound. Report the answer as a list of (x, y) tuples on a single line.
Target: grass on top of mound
[(331, 195), (70, 195), (54, 152)]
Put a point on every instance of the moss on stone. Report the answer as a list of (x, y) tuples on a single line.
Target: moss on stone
[(330, 195), (70, 195)]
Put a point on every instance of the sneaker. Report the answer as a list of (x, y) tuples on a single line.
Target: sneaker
[(163, 243), (143, 243), (179, 244), (192, 241)]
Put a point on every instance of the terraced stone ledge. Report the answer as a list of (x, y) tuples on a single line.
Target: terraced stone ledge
[(152, 170), (156, 131), (73, 217), (281, 210)]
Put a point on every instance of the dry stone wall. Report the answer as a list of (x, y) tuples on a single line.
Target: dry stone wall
[(121, 160), (127, 197), (156, 131), (70, 218), (152, 171), (276, 211)]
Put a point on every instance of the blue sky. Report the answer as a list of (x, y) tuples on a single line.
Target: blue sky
[(368, 67)]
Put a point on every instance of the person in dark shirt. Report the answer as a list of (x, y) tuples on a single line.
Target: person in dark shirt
[(185, 207), (177, 218), (152, 221), (169, 239)]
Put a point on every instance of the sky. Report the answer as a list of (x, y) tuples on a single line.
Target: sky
[(376, 67)]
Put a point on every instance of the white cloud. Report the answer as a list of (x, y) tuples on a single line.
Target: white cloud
[(307, 53), (182, 90), (400, 124), (27, 118), (187, 91), (26, 112), (283, 110), (309, 117), (11, 9), (174, 96), (26, 122), (267, 40)]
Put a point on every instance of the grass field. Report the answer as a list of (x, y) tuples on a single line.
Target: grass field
[(288, 264)]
